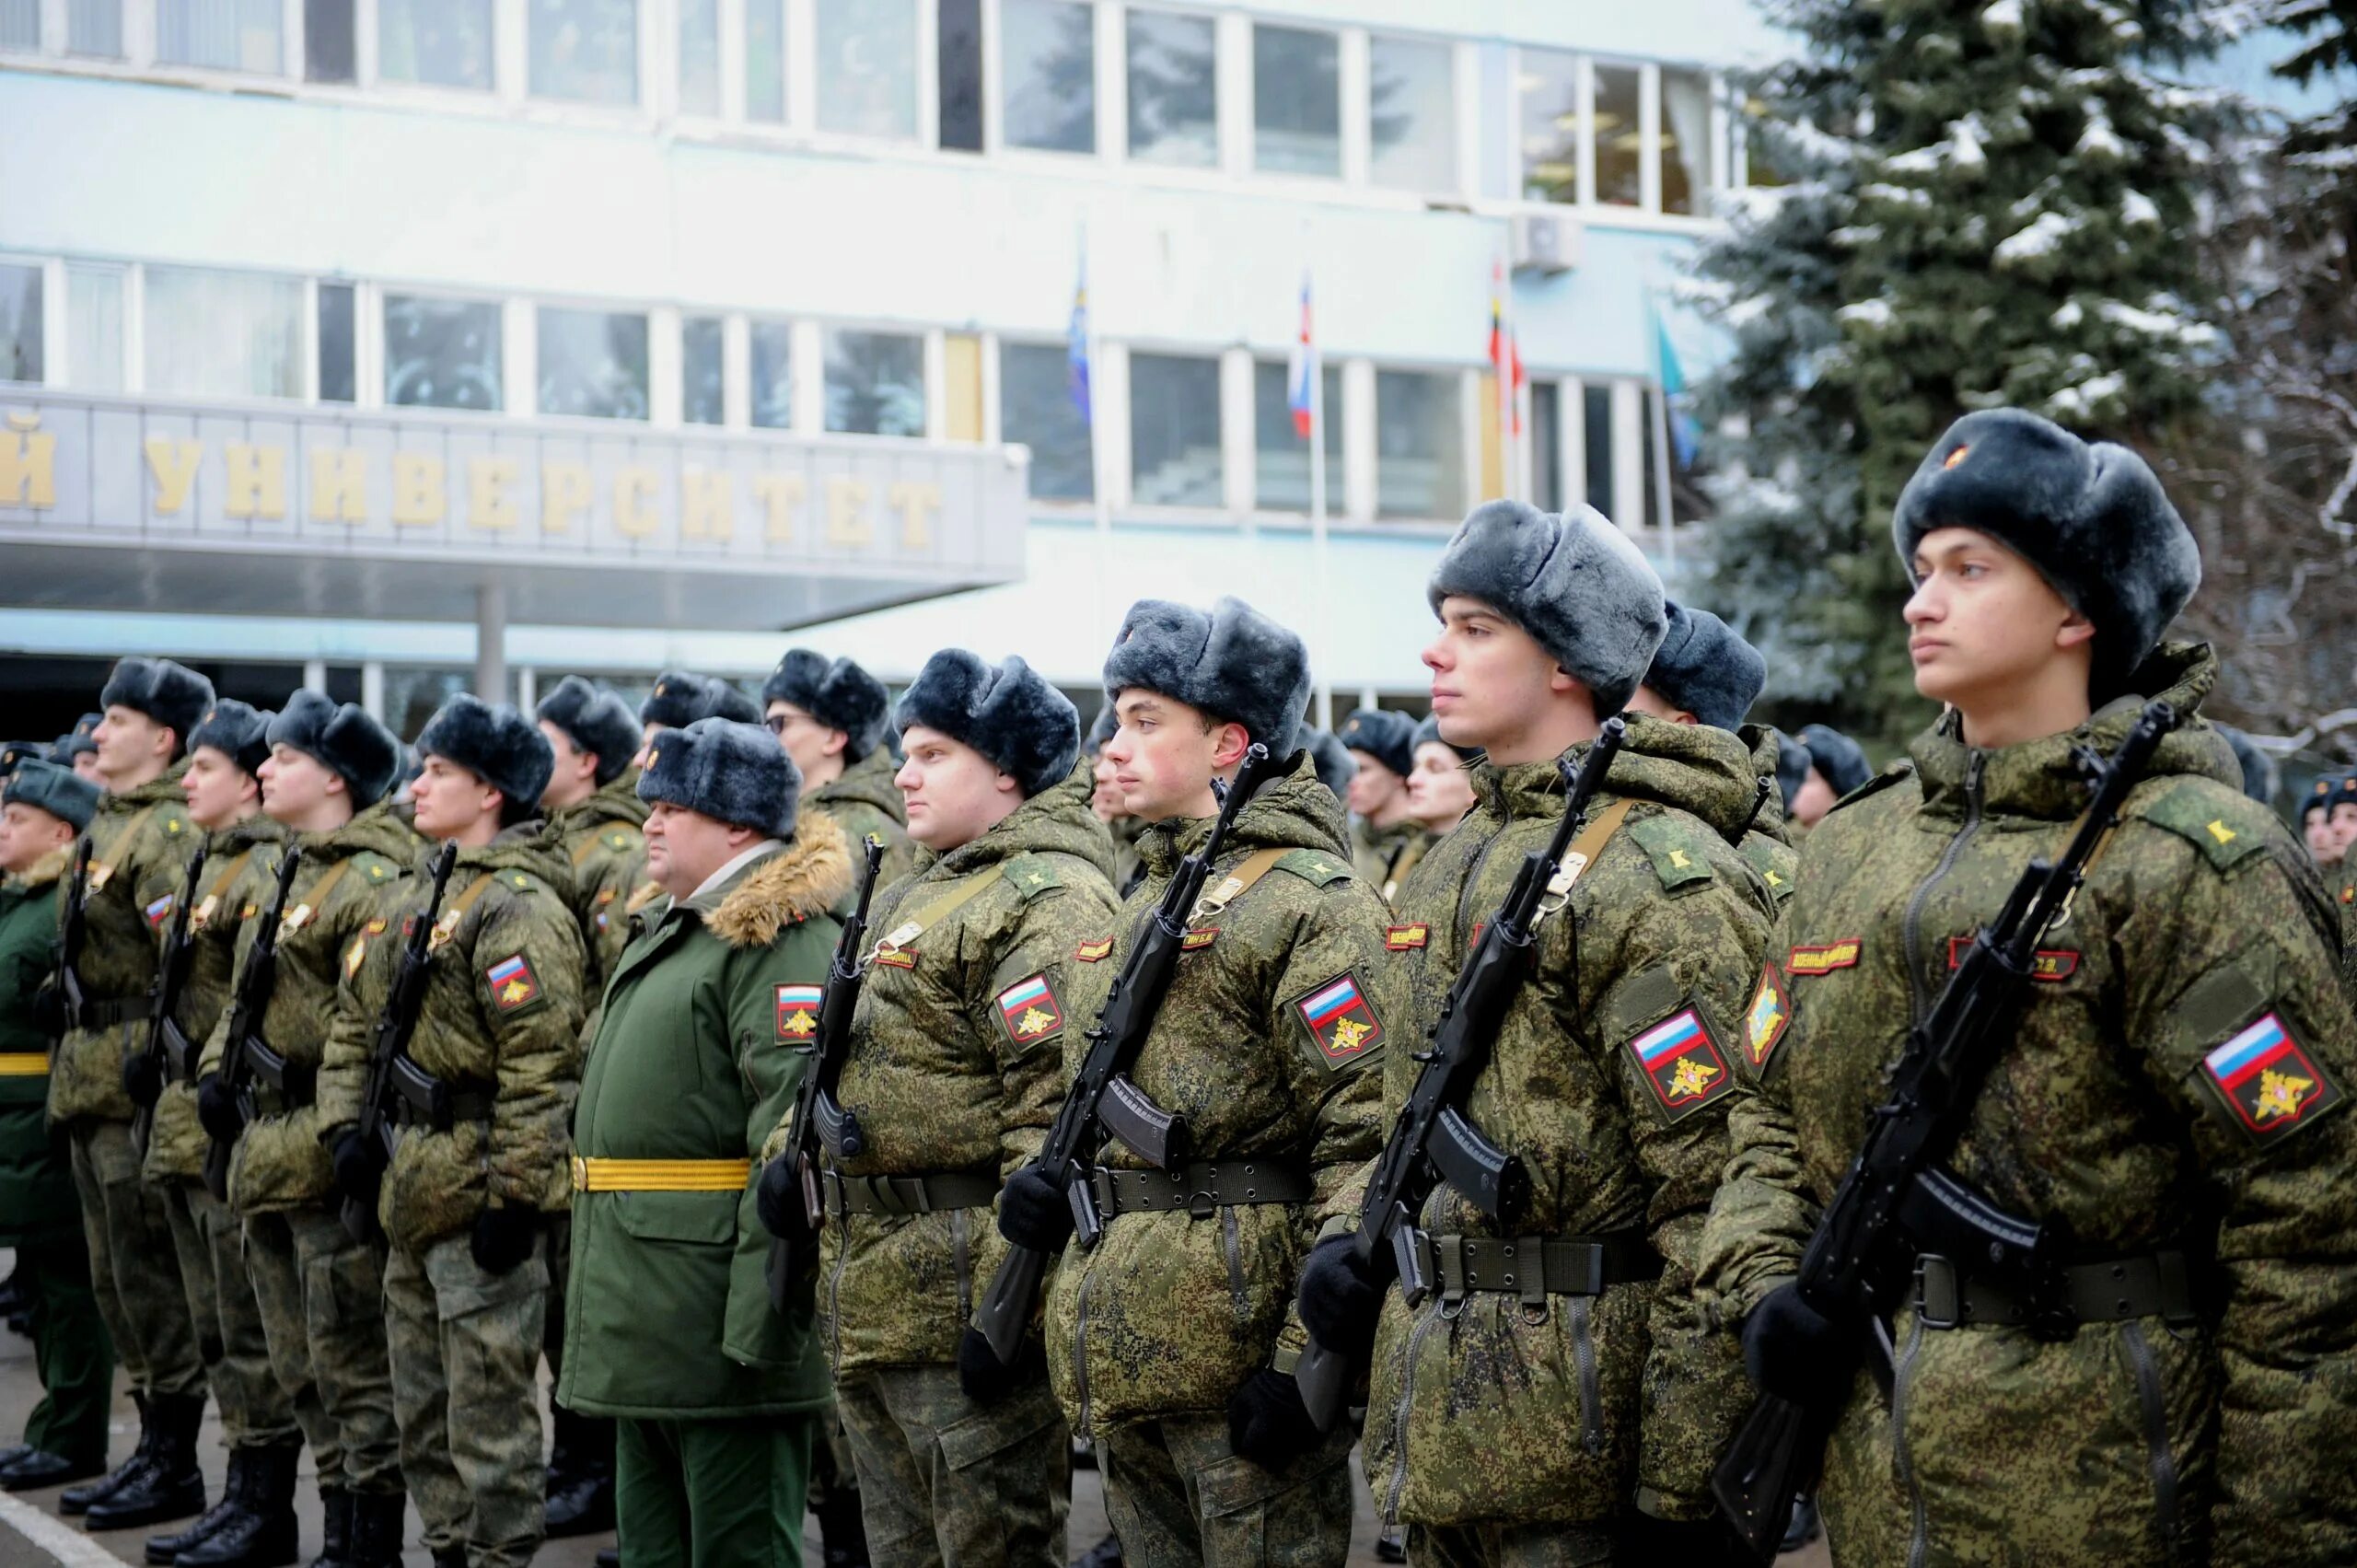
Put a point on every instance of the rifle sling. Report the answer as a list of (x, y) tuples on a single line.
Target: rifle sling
[(1234, 885), (961, 893), (1587, 846)]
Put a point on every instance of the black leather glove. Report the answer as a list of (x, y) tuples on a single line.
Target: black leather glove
[(986, 1379), (777, 1199), (1794, 1351), (358, 1172), (1342, 1297), (1267, 1422), (504, 1238), (217, 1108), (143, 1077), (1033, 1210), (1690, 1543)]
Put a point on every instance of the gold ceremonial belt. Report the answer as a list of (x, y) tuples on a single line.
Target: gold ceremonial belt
[(660, 1176), (24, 1064)]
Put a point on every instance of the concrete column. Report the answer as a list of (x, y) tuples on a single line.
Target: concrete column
[(372, 688), (491, 642)]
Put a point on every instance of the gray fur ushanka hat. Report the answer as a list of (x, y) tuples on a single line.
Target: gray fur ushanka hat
[(682, 696), (347, 741), (596, 721), (172, 694), (729, 771), (1387, 737), (54, 788), (1840, 760), (238, 731), (1233, 664), (1703, 666), (1006, 711), (837, 693), (493, 742)]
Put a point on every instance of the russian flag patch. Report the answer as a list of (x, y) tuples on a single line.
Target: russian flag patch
[(1029, 1010), (1341, 1020), (2266, 1081), (797, 1013), (1682, 1064), (157, 911), (514, 986)]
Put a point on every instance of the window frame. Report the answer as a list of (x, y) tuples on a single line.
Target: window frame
[(372, 363)]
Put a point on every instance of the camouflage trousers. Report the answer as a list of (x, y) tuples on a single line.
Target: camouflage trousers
[(132, 1265), (1513, 1546), (466, 1348), (323, 1316), (945, 1483), (1176, 1493), (714, 1493), (255, 1407)]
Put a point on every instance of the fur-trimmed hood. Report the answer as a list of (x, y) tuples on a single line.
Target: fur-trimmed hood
[(805, 877)]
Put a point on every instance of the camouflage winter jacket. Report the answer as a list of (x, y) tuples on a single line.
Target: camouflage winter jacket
[(338, 900), (863, 800), (2176, 1083), (501, 1015), (956, 1064), (1169, 1313), (239, 862), (608, 854), (140, 844), (1384, 856), (1612, 1078), (1768, 844)]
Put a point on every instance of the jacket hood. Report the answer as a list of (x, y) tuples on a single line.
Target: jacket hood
[(867, 781), (804, 878), (239, 837), (616, 800), (531, 847), (165, 786), (1704, 771), (2041, 778), (1291, 812), (1057, 820), (377, 830)]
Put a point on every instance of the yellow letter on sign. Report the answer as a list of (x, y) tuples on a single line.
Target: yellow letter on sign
[(706, 507), (339, 485), (916, 503), (27, 463), (780, 496), (174, 465), (564, 496), (419, 498), (489, 506), (847, 513), (633, 516), (257, 486)]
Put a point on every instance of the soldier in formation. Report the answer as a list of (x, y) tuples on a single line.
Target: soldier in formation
[(1385, 839)]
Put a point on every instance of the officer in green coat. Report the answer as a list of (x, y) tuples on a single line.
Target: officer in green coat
[(2170, 1103), (833, 717), (43, 808), (141, 841), (1385, 839), (670, 1325)]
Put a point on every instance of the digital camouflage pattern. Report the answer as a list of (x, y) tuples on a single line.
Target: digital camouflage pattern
[(949, 1482), (862, 799), (342, 889), (944, 1079), (140, 844), (1170, 1314), (241, 861), (206, 1239), (321, 1297), (501, 1010), (1768, 844), (1482, 1416), (2117, 1444), (608, 852), (1384, 856)]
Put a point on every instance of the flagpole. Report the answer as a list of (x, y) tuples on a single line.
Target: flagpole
[(1108, 614), (1661, 443), (1319, 556)]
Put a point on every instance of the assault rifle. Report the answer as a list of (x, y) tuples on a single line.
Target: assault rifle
[(73, 929), (257, 978), (396, 1022), (1851, 1268), (1102, 1099), (1432, 1141), (165, 1057)]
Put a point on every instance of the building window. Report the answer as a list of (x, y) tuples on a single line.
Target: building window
[(94, 27), (1551, 126), (336, 373), (1546, 446), (1296, 101), (20, 24), (957, 75), (772, 361), (1036, 407), (20, 323), (94, 327), (700, 57), (1419, 444), (1174, 90), (874, 383), (442, 352), (224, 334), (442, 43), (1685, 140), (867, 67), (593, 362), (703, 376), (584, 50), (327, 45), (1280, 453), (1595, 411), (1174, 431), (1619, 169), (1411, 98), (226, 35), (766, 61), (1048, 73)]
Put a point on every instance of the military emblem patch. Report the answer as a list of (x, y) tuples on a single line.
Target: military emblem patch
[(444, 929), (514, 986), (1682, 1063), (1197, 940), (2267, 1080), (1406, 938), (797, 1013), (1765, 1021), (202, 915), (606, 895), (2052, 965), (355, 955), (1029, 1010), (1342, 1020), (1094, 952), (157, 911), (1824, 960), (896, 958)]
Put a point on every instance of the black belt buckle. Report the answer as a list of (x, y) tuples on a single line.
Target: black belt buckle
[(1939, 1293)]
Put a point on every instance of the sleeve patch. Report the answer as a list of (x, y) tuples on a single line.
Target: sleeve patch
[(1029, 1011), (1094, 952), (355, 955), (2052, 965), (1320, 870), (157, 911), (2266, 1081), (1342, 1020), (1682, 1064), (1824, 958), (607, 896), (1195, 941), (1677, 861), (514, 986), (1765, 1021), (1405, 938), (797, 1013)]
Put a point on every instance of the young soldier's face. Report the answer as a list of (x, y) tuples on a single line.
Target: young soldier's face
[(1440, 792), (2344, 826), (28, 832), (449, 800), (1374, 786), (575, 777), (86, 766), (807, 741), (953, 793), (2324, 841), (219, 792), (1982, 623), (1648, 701), (1165, 754), (1815, 798), (295, 784), (128, 743), (1489, 675), (1106, 798)]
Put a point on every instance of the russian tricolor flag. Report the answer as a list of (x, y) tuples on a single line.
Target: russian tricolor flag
[(2253, 1050), (1336, 998), (1668, 1040), (1301, 372)]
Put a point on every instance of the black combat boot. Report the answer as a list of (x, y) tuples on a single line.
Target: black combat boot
[(171, 1487), (77, 1499), (610, 1558), (163, 1550), (581, 1476), (262, 1532), (376, 1530), (842, 1531), (335, 1544)]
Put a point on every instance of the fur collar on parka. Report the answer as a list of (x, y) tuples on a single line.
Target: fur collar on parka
[(804, 879), (51, 868)]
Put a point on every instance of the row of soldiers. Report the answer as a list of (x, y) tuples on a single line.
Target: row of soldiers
[(879, 1087)]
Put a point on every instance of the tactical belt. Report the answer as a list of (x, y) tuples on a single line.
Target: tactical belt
[(908, 1194), (597, 1175), (113, 1010), (295, 1083), (24, 1063), (1535, 1267), (421, 1099), (2155, 1284), (1199, 1189)]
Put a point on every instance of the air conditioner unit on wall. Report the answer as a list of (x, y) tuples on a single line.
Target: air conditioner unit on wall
[(1546, 243)]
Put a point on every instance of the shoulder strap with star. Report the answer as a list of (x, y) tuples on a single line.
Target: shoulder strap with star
[(2227, 829)]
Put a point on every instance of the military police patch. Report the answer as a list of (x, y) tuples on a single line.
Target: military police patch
[(896, 958), (797, 1013), (1094, 952), (1765, 1021), (1197, 940), (1029, 1010), (1405, 938), (1824, 958), (2052, 965), (514, 986), (2266, 1081), (1682, 1064), (1342, 1020)]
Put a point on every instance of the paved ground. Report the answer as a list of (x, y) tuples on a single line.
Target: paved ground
[(33, 1536)]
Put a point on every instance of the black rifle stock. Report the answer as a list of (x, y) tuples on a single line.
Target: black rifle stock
[(255, 979), (1433, 1141), (818, 1119), (396, 1022), (73, 928), (1847, 1269), (168, 1045), (1114, 1041)]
